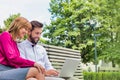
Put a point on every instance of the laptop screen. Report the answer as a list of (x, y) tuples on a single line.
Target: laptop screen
[(69, 67)]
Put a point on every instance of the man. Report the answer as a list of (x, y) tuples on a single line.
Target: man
[(30, 50)]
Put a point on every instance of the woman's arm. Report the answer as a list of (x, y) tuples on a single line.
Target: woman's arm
[(11, 52)]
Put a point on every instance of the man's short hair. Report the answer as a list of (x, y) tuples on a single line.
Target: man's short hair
[(36, 24)]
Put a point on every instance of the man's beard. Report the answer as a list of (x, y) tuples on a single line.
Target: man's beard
[(33, 40)]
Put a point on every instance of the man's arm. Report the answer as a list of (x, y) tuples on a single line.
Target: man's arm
[(48, 65), (50, 71)]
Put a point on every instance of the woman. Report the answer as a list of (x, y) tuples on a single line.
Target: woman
[(12, 66)]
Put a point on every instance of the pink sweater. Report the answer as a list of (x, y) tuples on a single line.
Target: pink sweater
[(9, 53)]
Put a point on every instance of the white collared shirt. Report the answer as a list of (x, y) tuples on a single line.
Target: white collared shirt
[(35, 53)]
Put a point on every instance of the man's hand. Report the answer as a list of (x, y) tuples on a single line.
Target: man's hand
[(40, 68), (51, 72)]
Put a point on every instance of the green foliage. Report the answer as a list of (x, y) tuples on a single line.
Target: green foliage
[(42, 40), (70, 28), (101, 76), (111, 48), (1, 30), (8, 21)]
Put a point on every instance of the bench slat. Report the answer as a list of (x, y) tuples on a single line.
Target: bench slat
[(57, 56)]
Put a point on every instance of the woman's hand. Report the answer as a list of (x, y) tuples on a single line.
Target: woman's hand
[(40, 68)]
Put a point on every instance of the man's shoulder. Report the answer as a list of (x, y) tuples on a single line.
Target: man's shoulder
[(39, 45), (22, 43)]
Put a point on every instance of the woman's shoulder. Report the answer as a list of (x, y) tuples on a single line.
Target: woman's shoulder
[(5, 34)]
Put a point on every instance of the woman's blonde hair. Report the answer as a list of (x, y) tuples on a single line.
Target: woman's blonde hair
[(17, 24)]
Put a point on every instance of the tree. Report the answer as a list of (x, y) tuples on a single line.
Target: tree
[(68, 25), (111, 49), (8, 21)]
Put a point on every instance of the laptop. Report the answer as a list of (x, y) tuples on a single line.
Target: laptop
[(69, 68)]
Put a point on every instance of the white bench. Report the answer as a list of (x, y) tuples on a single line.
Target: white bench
[(57, 56)]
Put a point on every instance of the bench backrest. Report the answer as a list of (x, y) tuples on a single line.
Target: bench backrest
[(57, 56)]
